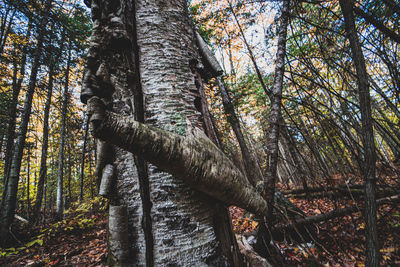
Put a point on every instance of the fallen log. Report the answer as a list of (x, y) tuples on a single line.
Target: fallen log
[(341, 188), (321, 189), (330, 215), (344, 192)]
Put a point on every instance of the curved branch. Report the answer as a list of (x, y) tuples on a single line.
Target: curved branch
[(193, 158)]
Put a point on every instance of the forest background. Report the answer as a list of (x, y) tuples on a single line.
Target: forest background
[(321, 152)]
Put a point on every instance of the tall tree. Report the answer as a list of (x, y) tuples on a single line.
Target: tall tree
[(12, 114), (276, 103), (60, 176), (369, 159), (188, 228)]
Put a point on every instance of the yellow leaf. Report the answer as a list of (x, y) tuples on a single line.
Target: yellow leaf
[(254, 224), (385, 257)]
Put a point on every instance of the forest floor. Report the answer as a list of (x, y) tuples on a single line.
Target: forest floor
[(80, 239), (339, 241)]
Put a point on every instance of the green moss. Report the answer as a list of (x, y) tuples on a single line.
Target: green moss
[(178, 124)]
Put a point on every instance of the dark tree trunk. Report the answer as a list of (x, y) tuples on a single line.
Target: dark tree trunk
[(368, 168), (8, 209), (253, 170), (5, 30), (28, 202), (12, 114), (69, 170), (45, 145)]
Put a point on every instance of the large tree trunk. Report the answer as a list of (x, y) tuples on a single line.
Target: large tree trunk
[(167, 223), (368, 168), (10, 198)]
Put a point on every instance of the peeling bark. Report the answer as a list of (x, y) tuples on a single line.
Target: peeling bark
[(149, 78), (107, 181), (104, 154)]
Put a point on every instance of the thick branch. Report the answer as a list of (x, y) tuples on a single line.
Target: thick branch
[(192, 158)]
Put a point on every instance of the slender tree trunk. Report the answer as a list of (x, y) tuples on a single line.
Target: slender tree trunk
[(252, 57), (293, 151), (368, 168), (60, 176), (45, 145), (275, 114), (9, 205), (28, 201), (2, 137), (82, 173), (45, 141), (92, 183), (69, 170), (4, 35), (253, 171)]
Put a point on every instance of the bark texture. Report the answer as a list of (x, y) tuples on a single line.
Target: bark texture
[(168, 222)]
